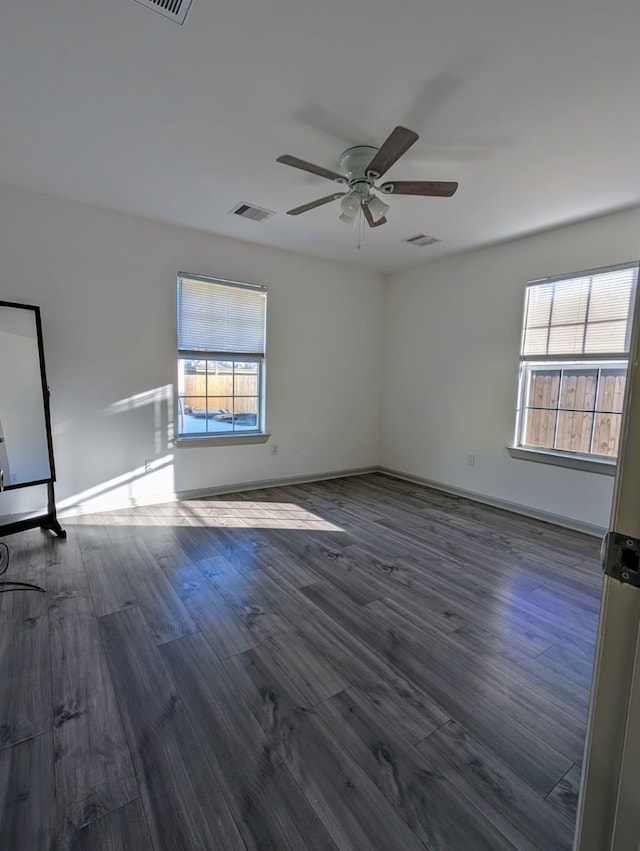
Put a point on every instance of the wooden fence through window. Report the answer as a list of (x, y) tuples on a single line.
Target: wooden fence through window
[(567, 415), (219, 390)]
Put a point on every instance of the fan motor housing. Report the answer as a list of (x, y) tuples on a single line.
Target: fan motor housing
[(354, 162)]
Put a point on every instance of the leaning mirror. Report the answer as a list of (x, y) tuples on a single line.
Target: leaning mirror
[(26, 448)]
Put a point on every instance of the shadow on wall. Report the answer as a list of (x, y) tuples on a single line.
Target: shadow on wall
[(161, 400), (145, 484), (139, 427)]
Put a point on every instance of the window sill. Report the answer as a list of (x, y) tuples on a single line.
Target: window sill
[(564, 459), (220, 440)]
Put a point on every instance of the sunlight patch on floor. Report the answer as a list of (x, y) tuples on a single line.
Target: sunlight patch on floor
[(224, 514)]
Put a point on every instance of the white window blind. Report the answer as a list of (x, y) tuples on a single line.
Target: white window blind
[(221, 318), (587, 314)]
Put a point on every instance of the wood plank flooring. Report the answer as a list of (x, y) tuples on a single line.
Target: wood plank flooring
[(359, 664)]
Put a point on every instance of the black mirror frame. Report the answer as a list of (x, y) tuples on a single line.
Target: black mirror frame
[(47, 520)]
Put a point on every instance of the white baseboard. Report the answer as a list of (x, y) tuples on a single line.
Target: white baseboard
[(80, 508), (203, 493), (506, 505)]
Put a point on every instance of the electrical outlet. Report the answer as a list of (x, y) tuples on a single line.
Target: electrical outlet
[(148, 466), (274, 448), (471, 459)]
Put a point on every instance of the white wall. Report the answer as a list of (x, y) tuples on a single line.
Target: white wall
[(451, 366), (106, 285)]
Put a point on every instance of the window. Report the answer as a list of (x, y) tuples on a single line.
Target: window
[(573, 364), (221, 357)]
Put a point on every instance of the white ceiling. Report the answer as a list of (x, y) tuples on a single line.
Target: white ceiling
[(532, 107)]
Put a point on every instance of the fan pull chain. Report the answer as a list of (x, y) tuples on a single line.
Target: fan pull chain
[(361, 229)]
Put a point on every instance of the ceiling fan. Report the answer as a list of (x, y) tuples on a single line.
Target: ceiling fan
[(361, 166)]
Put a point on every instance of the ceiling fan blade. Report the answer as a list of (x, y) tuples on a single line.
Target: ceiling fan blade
[(303, 165), (397, 144), (370, 220), (439, 188), (313, 204)]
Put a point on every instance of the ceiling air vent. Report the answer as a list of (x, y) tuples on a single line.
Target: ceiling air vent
[(248, 211), (421, 239), (175, 10)]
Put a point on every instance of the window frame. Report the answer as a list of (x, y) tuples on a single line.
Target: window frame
[(563, 366), (259, 434), (576, 361)]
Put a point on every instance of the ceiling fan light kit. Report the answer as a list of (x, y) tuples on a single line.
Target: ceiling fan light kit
[(360, 167), (377, 208), (350, 204)]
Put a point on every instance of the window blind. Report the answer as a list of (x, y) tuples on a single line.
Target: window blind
[(221, 318), (588, 313)]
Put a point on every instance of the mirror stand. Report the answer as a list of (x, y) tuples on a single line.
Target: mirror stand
[(47, 520), (26, 459)]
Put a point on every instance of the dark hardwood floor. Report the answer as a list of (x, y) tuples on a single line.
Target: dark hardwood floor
[(360, 664)]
